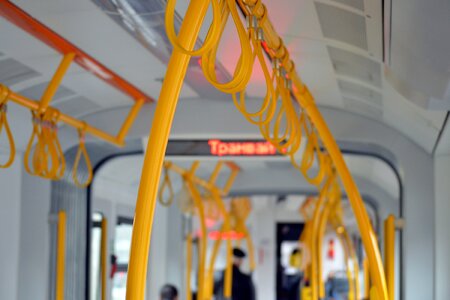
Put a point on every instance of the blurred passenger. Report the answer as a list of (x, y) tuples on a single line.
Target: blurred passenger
[(243, 288), (168, 292)]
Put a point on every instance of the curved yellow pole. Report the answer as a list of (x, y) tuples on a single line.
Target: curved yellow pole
[(156, 147), (320, 237), (61, 256), (366, 278), (314, 231), (368, 236)]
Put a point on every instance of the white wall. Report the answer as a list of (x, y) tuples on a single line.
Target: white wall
[(442, 223), (10, 185), (34, 238)]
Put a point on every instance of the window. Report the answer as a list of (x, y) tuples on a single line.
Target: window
[(122, 243)]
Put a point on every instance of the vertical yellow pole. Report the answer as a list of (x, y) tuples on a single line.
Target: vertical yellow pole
[(55, 82), (104, 253), (61, 256), (203, 239), (354, 260), (365, 228), (228, 288), (228, 282), (188, 266), (389, 254), (157, 143), (320, 237)]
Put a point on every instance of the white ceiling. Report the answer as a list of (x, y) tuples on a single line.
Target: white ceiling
[(334, 81)]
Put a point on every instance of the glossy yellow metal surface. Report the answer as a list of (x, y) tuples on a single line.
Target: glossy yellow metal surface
[(306, 101), (188, 266), (71, 121), (389, 254), (104, 259), (61, 256), (134, 111), (366, 293), (203, 239), (4, 94), (55, 82)]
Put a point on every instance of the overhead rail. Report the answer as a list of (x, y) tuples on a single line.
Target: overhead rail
[(280, 122), (47, 158), (23, 20)]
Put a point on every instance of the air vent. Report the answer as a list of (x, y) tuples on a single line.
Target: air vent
[(342, 25), (357, 91), (356, 66), (357, 4), (36, 91), (77, 106), (13, 72), (363, 108)]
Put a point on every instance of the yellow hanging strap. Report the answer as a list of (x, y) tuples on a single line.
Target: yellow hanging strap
[(212, 38), (267, 110), (244, 67), (4, 93), (47, 160), (82, 151), (166, 184)]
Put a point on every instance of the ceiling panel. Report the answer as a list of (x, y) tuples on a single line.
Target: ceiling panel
[(36, 91), (355, 66), (357, 4), (77, 106), (342, 25), (360, 92), (13, 72)]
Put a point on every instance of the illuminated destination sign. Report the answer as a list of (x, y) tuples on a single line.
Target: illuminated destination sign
[(238, 148), (221, 148)]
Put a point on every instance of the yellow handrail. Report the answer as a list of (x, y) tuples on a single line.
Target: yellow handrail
[(55, 82), (61, 256), (195, 194), (104, 257), (188, 266), (117, 140), (389, 254)]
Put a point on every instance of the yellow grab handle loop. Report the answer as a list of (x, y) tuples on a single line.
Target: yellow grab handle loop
[(59, 150), (269, 103), (244, 66), (50, 149), (26, 157), (212, 36), (82, 151), (4, 124), (167, 183)]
